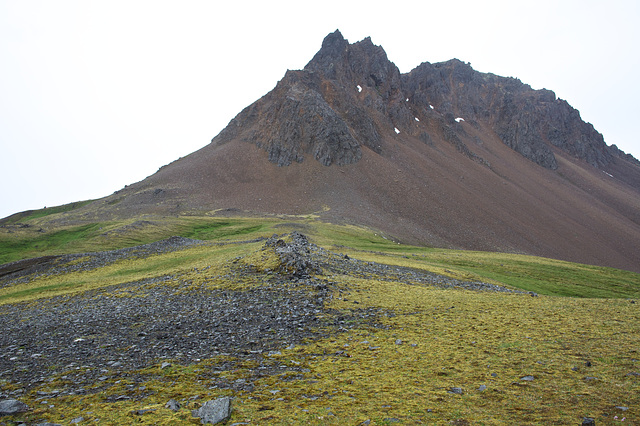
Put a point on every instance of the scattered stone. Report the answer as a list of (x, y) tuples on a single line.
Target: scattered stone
[(633, 373), (165, 365), (172, 405), (47, 424), (527, 378), (143, 411), (482, 388), (590, 378), (457, 391), (622, 408), (77, 420), (398, 342), (215, 411), (211, 321), (12, 406), (588, 421)]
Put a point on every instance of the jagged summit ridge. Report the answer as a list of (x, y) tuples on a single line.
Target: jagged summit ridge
[(351, 95)]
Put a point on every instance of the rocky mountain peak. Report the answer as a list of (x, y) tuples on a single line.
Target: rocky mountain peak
[(362, 63), (334, 47), (350, 96)]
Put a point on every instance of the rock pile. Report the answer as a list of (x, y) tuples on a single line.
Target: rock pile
[(214, 412), (295, 256)]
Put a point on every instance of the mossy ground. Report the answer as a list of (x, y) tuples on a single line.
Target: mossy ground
[(581, 351), (431, 341)]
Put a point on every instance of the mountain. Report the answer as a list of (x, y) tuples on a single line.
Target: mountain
[(442, 156)]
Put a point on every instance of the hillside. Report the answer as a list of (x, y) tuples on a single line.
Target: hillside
[(442, 156)]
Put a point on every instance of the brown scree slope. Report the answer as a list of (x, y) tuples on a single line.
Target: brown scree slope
[(353, 139)]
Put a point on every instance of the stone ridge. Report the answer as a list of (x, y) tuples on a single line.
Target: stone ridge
[(173, 317), (350, 95)]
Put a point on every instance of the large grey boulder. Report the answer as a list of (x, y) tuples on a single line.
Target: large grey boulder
[(12, 406), (214, 412)]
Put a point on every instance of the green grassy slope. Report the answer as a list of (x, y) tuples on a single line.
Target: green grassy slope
[(582, 352), (35, 237)]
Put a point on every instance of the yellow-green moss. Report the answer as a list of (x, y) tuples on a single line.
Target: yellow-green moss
[(427, 341)]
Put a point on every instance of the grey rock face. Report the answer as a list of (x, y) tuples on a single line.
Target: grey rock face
[(214, 412), (294, 256), (528, 121), (310, 124), (295, 120), (521, 134)]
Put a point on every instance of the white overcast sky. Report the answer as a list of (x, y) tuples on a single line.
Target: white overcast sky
[(98, 94)]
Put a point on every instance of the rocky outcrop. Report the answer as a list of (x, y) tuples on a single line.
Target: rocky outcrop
[(293, 121), (350, 95), (617, 152), (295, 260), (528, 121)]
